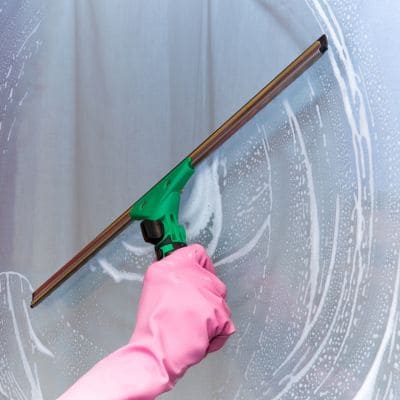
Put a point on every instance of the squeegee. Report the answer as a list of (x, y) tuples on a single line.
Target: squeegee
[(158, 209)]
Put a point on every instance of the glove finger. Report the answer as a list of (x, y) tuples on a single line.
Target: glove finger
[(205, 262), (202, 257), (218, 341), (199, 254), (188, 254)]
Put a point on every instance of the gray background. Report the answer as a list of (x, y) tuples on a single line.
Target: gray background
[(300, 210)]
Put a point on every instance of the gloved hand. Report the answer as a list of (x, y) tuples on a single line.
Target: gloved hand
[(182, 316)]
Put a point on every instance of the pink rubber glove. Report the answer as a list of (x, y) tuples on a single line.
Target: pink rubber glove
[(182, 316)]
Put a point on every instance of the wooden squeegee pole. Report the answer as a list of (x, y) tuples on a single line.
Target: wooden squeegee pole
[(224, 132)]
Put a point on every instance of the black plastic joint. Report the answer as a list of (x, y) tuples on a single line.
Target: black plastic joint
[(152, 231)]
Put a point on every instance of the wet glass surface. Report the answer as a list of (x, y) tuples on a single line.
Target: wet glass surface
[(299, 211)]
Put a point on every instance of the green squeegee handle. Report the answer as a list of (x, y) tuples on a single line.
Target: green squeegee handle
[(158, 210)]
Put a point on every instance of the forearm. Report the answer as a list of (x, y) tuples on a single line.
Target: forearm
[(133, 372)]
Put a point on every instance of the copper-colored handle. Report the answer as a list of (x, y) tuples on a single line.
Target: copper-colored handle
[(225, 131)]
